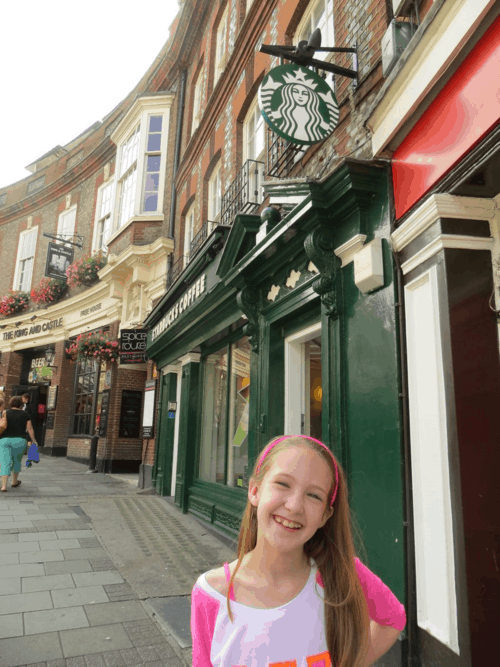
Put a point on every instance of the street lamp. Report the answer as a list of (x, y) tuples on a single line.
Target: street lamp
[(50, 355)]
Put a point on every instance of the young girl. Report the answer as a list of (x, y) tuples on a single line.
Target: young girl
[(296, 596)]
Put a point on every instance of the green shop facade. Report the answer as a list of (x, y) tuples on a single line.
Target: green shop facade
[(266, 333)]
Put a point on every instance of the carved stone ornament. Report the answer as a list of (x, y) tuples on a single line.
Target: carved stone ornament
[(249, 302), (319, 247)]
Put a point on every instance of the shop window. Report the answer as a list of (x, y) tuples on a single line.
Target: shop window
[(188, 234), (197, 105), (221, 54), (104, 212), (25, 260), (66, 224), (224, 432), (214, 195), (87, 377), (319, 14)]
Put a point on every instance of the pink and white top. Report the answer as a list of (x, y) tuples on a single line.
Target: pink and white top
[(292, 635)]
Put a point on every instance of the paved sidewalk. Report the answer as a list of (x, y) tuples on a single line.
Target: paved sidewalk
[(79, 585)]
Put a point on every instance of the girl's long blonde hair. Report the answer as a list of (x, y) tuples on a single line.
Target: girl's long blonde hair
[(347, 623)]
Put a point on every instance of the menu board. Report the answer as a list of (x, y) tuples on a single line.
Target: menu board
[(149, 409), (49, 424), (103, 420), (130, 414), (52, 397)]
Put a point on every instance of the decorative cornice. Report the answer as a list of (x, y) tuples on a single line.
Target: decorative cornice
[(441, 206), (446, 241), (347, 250), (190, 358)]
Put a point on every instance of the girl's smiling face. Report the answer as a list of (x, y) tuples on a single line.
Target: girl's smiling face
[(296, 490)]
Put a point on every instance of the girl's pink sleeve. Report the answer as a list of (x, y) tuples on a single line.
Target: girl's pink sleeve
[(383, 605), (204, 611)]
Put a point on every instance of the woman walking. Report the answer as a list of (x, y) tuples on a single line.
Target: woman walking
[(13, 441)]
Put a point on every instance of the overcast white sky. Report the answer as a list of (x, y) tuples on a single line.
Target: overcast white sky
[(64, 65)]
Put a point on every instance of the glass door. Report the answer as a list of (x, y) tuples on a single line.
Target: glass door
[(303, 382)]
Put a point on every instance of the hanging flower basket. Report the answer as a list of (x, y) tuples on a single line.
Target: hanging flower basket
[(85, 270), (98, 346), (14, 302), (49, 291)]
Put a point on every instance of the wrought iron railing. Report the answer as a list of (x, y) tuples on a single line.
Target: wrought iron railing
[(282, 155), (201, 237), (244, 195), (176, 269)]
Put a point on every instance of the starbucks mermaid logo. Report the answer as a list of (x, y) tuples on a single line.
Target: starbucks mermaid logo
[(298, 104)]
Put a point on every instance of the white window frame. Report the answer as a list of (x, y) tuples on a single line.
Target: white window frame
[(215, 194), (188, 233), (21, 245), (252, 120), (308, 24), (197, 105), (69, 232), (221, 45), (132, 163), (103, 217)]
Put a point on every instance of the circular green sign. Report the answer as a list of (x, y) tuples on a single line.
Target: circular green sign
[(298, 104)]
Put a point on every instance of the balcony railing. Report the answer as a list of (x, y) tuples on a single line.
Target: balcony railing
[(282, 155), (244, 195), (176, 269), (201, 237)]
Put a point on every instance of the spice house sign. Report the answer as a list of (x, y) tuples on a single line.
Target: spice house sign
[(191, 295)]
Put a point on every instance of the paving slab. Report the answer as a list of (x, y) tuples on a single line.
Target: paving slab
[(47, 583), (11, 547), (70, 566), (35, 517), (11, 626), (68, 534), (22, 602), (97, 578), (38, 537), (9, 559), (13, 511), (15, 524), (10, 586), (41, 556), (115, 612), (60, 544), (55, 619), (6, 518), (87, 595), (102, 639), (30, 570), (175, 613), (84, 553), (7, 538), (29, 650)]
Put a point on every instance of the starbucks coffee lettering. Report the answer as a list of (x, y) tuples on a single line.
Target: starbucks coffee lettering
[(182, 304)]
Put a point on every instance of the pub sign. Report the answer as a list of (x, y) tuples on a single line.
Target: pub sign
[(59, 257)]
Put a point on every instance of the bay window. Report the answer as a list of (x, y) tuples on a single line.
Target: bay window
[(141, 139)]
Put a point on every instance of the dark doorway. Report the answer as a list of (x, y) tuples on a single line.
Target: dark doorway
[(37, 404)]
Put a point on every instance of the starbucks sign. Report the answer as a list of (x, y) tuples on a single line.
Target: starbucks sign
[(298, 104)]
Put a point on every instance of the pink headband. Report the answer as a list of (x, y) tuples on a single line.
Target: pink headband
[(307, 437)]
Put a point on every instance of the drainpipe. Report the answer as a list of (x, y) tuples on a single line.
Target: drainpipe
[(177, 150), (412, 657)]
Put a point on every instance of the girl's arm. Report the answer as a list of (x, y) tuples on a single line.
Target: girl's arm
[(382, 637)]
